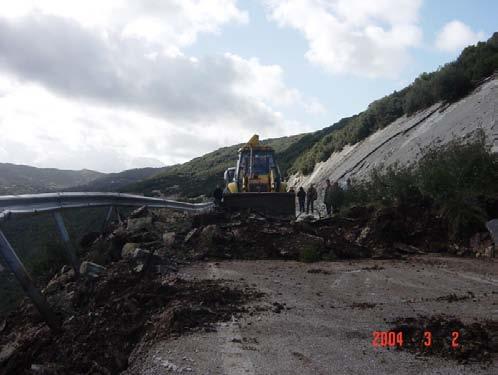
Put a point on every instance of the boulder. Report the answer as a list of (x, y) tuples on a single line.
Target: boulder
[(492, 227), (91, 269), (169, 238), (129, 249), (135, 225), (481, 244), (209, 234)]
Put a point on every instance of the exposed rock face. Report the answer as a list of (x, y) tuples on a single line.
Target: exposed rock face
[(403, 140)]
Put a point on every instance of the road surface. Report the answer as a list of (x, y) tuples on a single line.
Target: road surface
[(328, 326)]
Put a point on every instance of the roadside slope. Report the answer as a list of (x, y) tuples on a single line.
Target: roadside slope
[(403, 140)]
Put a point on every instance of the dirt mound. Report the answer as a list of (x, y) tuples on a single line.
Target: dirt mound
[(105, 318), (449, 338)]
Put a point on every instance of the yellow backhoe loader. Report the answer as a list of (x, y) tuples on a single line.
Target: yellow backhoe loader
[(256, 183)]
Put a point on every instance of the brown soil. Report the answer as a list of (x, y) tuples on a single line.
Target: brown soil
[(477, 342)]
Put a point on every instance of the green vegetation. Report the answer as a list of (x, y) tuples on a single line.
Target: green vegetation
[(449, 83), (457, 181), (309, 254), (201, 175)]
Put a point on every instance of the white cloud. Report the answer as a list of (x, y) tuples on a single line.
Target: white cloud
[(364, 38), (72, 97), (456, 35), (172, 24)]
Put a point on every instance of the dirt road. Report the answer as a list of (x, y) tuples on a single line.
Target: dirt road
[(319, 318)]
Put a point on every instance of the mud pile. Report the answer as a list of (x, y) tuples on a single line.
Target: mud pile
[(104, 318), (449, 338), (363, 233)]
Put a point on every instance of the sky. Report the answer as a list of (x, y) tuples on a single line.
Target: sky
[(119, 84)]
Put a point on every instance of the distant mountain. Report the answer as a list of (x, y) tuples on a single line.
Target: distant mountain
[(23, 179), (117, 181)]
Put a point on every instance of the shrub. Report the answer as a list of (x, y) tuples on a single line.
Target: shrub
[(309, 254), (456, 180)]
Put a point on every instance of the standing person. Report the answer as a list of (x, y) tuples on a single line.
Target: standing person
[(218, 195), (301, 196), (337, 196), (328, 197), (312, 195)]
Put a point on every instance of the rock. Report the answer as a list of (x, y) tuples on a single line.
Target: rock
[(135, 225), (140, 253), (363, 235), (139, 268), (169, 238), (481, 245), (58, 282), (492, 227), (91, 269), (139, 212), (209, 234), (190, 235), (129, 249), (407, 248), (489, 252)]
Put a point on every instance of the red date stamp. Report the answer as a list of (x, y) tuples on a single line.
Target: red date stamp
[(385, 339)]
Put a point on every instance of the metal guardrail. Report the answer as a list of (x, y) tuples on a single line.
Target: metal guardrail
[(12, 206)]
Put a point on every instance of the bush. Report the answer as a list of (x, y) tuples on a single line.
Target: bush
[(309, 254), (456, 180)]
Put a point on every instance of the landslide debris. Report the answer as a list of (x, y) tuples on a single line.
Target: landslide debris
[(104, 319), (476, 342), (131, 293)]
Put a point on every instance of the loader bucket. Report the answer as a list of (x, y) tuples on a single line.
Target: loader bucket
[(269, 204)]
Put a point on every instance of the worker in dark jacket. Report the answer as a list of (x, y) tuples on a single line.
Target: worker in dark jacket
[(328, 197), (333, 197), (301, 197), (312, 195), (218, 195)]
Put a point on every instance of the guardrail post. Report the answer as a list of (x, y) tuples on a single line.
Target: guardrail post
[(107, 218), (17, 268), (118, 214), (68, 246)]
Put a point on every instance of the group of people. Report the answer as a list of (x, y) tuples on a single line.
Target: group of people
[(332, 197)]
